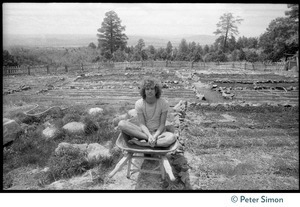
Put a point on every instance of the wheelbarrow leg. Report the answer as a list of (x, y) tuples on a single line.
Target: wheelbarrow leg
[(168, 168), (162, 169), (129, 165), (120, 164)]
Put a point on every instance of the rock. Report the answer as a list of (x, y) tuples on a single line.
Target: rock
[(170, 127), (176, 122), (74, 127), (287, 105), (228, 96), (95, 111), (64, 145), (108, 144), (165, 86), (180, 106), (214, 86), (96, 151), (24, 88), (200, 96), (74, 183), (57, 185), (50, 132), (214, 104), (132, 113), (256, 104), (117, 119), (11, 129), (46, 169), (205, 104)]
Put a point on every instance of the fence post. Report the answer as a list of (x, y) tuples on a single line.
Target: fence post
[(66, 68), (47, 69), (28, 69), (81, 66), (245, 65)]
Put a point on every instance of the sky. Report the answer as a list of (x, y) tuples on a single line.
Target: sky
[(159, 19)]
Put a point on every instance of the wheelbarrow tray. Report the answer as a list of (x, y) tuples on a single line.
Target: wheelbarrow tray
[(122, 143)]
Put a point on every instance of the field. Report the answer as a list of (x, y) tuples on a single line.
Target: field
[(248, 142)]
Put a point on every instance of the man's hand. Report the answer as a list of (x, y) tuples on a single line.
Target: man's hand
[(151, 140)]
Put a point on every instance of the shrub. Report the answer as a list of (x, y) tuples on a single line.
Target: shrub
[(106, 132), (7, 181), (90, 125), (70, 117), (69, 162), (77, 109), (28, 149), (20, 117), (58, 123)]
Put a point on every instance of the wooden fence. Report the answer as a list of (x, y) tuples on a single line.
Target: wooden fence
[(89, 67)]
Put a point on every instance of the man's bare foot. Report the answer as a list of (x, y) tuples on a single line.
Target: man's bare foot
[(142, 143)]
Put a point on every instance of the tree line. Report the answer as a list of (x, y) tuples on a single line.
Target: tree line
[(279, 41)]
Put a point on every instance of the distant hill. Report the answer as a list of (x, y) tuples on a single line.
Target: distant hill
[(82, 40), (161, 41), (49, 40)]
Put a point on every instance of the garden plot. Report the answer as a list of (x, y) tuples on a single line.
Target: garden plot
[(255, 88), (232, 147), (242, 150), (117, 87)]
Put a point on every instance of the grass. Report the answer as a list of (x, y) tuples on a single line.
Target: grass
[(30, 149), (225, 155)]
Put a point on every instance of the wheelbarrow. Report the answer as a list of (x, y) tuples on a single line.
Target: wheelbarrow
[(134, 151)]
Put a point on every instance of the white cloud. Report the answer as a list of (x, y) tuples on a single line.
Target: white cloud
[(145, 18)]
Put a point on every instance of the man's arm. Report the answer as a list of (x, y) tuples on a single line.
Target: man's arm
[(142, 124), (162, 124)]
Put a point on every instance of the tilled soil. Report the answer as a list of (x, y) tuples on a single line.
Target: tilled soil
[(224, 148)]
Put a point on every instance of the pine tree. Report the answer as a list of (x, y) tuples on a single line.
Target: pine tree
[(169, 50), (111, 37), (227, 26)]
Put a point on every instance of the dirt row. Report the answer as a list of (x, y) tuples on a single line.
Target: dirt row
[(177, 84), (248, 142)]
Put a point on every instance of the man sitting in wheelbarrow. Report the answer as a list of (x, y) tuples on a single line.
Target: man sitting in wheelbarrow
[(152, 113)]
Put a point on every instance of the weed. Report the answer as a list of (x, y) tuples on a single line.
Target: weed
[(76, 109), (70, 117), (20, 117), (69, 162), (28, 149), (90, 125), (7, 181)]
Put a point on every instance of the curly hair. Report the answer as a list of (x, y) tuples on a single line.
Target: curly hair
[(150, 82)]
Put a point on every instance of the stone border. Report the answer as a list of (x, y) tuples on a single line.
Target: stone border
[(246, 107), (252, 82)]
